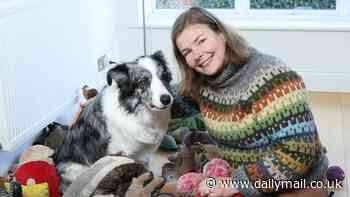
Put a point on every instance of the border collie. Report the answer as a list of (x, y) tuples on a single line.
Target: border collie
[(130, 115)]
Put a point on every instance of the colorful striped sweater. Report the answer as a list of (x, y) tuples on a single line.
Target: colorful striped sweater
[(260, 117)]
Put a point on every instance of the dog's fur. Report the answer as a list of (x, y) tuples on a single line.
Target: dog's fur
[(130, 115)]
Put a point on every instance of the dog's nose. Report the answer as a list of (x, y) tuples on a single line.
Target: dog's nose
[(165, 99)]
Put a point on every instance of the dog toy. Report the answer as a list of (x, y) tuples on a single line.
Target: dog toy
[(168, 143), (197, 137), (88, 92), (37, 153), (108, 175), (10, 189), (116, 176), (188, 184), (86, 95), (197, 149), (52, 135), (37, 172), (146, 186), (35, 190), (217, 168), (335, 175)]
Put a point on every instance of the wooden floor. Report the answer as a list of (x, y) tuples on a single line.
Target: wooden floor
[(332, 116)]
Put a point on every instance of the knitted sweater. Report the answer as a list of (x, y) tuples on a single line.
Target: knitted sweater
[(260, 117)]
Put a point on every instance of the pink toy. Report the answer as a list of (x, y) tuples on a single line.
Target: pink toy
[(217, 168), (188, 184)]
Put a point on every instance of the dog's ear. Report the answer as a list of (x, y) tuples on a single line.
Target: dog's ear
[(159, 57), (120, 74)]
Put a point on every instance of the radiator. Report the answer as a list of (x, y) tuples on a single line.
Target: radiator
[(45, 57)]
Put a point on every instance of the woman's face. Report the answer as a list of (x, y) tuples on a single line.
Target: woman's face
[(202, 48)]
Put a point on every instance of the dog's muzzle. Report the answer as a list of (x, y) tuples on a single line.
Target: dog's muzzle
[(165, 102)]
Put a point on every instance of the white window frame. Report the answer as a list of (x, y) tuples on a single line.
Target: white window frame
[(243, 18)]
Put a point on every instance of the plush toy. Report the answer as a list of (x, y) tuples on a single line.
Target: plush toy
[(116, 176), (147, 186), (168, 143), (193, 138), (37, 153), (188, 184), (10, 189), (335, 176), (35, 190), (197, 148), (87, 94), (35, 174), (31, 173), (52, 135)]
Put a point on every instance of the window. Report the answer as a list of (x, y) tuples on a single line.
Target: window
[(254, 4), (210, 4), (289, 14)]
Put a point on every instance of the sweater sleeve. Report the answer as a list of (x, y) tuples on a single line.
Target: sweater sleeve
[(290, 137)]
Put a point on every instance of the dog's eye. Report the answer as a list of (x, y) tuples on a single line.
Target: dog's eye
[(143, 82), (166, 77)]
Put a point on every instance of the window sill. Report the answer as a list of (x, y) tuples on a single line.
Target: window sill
[(251, 24), (258, 20)]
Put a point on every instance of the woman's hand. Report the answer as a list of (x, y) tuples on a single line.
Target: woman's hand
[(214, 187)]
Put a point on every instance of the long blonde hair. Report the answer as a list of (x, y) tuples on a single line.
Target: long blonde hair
[(236, 52)]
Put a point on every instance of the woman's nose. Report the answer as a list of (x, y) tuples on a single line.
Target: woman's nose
[(197, 56)]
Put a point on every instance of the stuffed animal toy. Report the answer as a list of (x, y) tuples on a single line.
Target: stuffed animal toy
[(188, 184), (89, 92), (37, 153), (116, 176), (197, 148), (35, 175), (32, 173), (10, 189), (86, 95), (335, 176), (36, 190), (147, 186), (52, 135)]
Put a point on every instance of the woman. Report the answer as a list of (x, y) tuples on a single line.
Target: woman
[(253, 105)]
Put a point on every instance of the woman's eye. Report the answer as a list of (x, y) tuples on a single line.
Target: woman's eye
[(202, 40), (185, 54)]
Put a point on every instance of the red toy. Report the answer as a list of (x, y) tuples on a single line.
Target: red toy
[(39, 172), (188, 184)]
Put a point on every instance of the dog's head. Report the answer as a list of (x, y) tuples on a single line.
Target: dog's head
[(144, 82)]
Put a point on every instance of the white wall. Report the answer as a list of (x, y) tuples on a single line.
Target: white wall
[(48, 50)]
